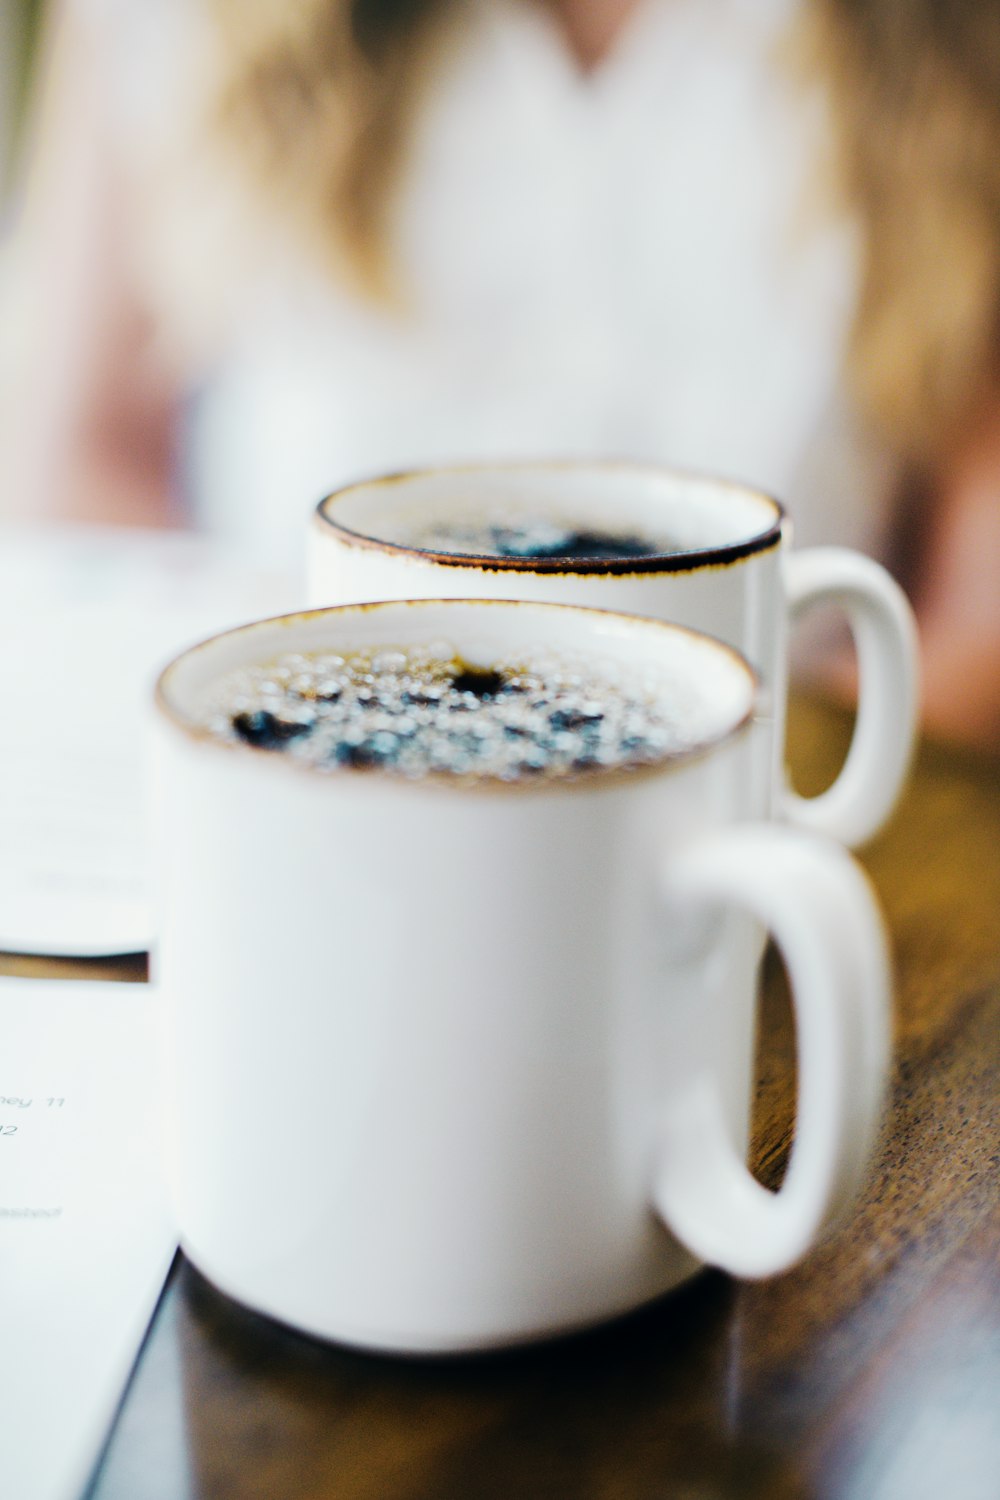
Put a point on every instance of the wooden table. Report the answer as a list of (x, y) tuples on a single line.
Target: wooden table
[(869, 1373)]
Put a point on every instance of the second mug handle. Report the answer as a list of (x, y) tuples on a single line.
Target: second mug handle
[(885, 637), (822, 913)]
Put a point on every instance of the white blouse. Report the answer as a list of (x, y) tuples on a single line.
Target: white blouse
[(628, 262)]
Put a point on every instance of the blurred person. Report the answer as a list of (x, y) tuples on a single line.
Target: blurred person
[(271, 245)]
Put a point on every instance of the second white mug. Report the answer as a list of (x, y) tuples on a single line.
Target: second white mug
[(730, 572)]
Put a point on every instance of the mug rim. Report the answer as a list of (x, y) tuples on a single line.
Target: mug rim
[(591, 778), (658, 562)]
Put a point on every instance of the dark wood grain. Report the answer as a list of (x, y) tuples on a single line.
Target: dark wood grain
[(129, 969), (869, 1373)]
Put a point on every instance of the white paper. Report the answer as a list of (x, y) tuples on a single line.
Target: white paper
[(87, 619), (86, 1236)]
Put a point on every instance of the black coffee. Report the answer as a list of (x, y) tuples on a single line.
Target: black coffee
[(424, 709), (538, 539)]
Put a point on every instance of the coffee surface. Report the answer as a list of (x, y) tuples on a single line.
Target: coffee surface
[(425, 709), (536, 538)]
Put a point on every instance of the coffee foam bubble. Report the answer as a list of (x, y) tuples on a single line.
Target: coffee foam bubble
[(423, 708)]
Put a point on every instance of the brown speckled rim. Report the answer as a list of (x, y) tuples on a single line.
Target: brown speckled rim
[(591, 779), (660, 562)]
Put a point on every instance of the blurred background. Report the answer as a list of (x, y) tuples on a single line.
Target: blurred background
[(254, 251), (19, 21)]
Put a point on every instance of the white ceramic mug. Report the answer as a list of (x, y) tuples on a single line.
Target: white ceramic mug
[(736, 579), (457, 1065)]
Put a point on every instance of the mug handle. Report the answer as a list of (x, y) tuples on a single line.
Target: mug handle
[(885, 637), (822, 913)]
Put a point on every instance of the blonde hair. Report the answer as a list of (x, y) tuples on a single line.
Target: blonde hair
[(915, 106), (319, 96)]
